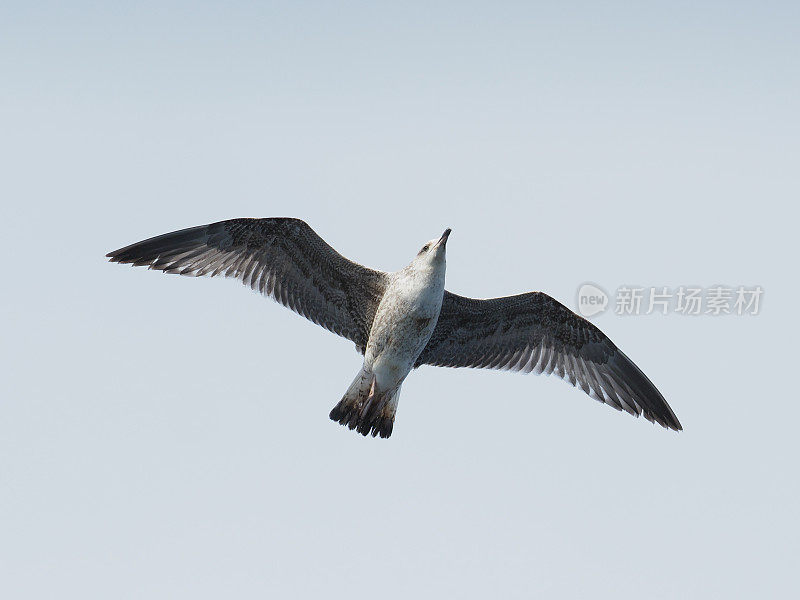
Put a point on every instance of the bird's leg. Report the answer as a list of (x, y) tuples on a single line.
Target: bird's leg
[(363, 407)]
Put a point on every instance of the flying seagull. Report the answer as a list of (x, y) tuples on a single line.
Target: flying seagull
[(400, 321)]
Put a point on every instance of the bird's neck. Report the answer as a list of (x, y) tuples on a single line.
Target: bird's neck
[(425, 276)]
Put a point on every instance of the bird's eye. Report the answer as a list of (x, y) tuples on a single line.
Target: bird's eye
[(425, 248)]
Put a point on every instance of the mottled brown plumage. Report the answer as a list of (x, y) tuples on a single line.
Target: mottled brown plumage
[(285, 259), (280, 257), (534, 332)]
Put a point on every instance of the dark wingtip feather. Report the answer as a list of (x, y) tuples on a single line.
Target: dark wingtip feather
[(145, 252), (654, 406)]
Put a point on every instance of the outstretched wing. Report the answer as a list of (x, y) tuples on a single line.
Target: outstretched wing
[(282, 258), (534, 332)]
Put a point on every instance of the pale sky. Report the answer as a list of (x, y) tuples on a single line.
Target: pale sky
[(168, 437)]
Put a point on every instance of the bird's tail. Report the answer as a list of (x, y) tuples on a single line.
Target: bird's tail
[(366, 408)]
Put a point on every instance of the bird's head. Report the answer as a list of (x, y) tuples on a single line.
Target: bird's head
[(433, 252)]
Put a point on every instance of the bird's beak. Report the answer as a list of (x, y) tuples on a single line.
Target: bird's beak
[(443, 239)]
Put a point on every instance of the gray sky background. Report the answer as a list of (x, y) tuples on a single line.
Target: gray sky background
[(167, 437)]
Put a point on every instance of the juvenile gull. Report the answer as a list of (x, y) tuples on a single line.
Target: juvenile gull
[(400, 321)]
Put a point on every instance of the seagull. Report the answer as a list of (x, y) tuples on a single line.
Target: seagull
[(403, 320)]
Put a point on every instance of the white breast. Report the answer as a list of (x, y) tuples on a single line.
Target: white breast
[(404, 322)]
